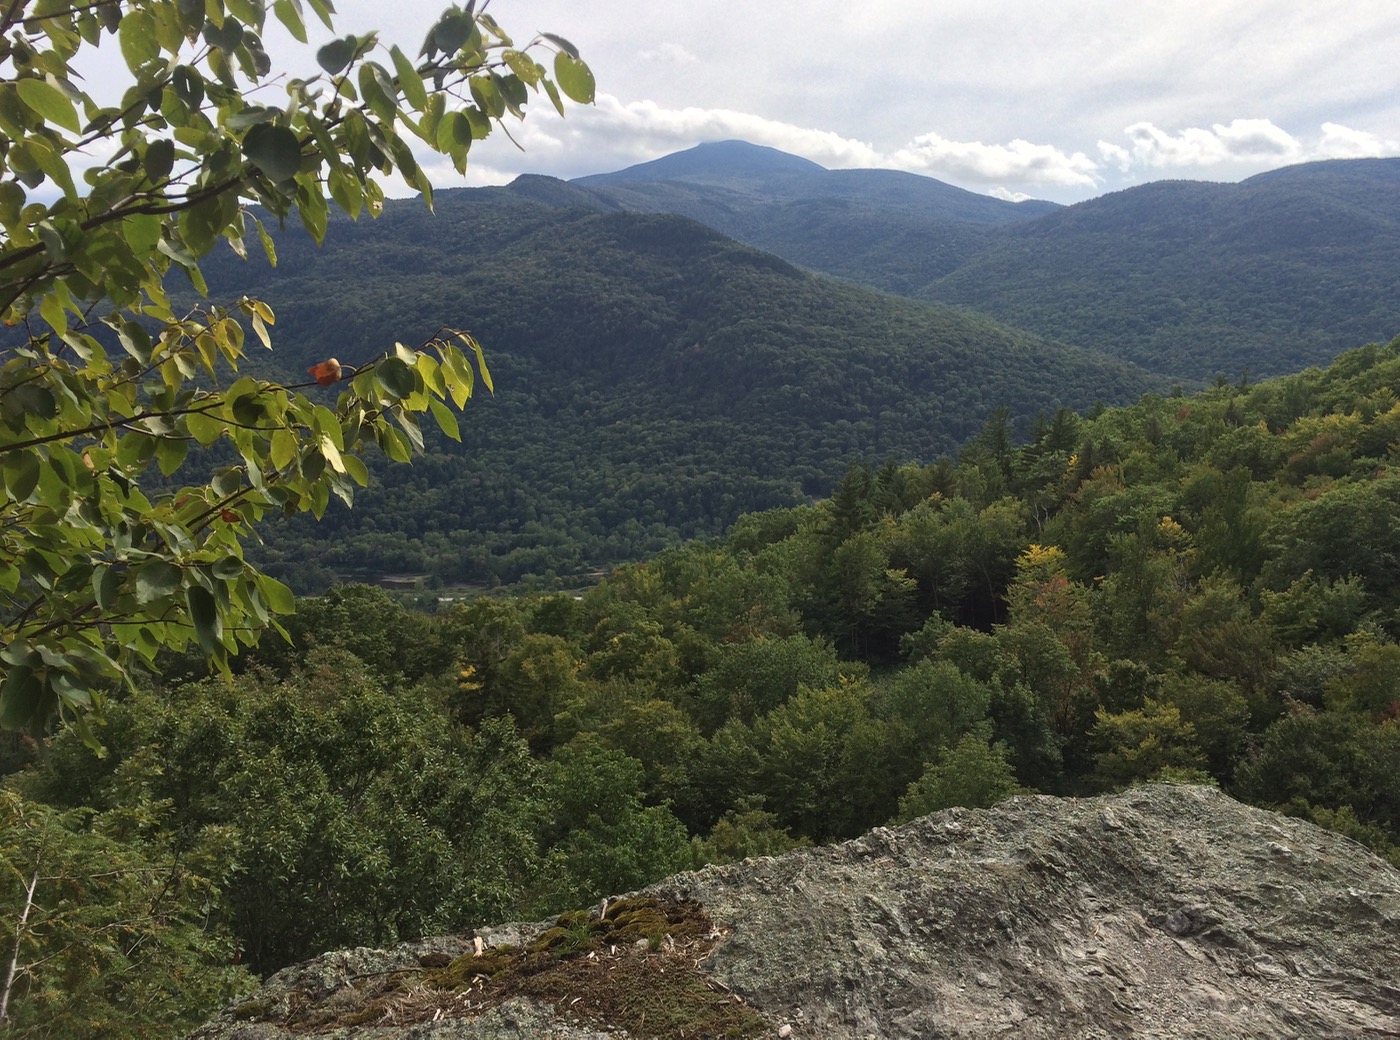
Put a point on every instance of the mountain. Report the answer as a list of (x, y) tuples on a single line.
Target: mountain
[(767, 174), (1162, 912), (654, 380), (1275, 273), (731, 163), (896, 231), (1190, 279)]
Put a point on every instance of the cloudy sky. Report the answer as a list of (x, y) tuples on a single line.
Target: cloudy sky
[(1062, 100)]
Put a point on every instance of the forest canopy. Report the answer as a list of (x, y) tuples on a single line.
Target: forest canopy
[(1194, 588)]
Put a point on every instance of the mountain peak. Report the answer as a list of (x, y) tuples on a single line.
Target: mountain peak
[(710, 161)]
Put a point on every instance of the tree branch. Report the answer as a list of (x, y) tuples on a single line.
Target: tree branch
[(19, 941)]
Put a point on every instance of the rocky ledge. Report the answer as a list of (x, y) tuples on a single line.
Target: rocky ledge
[(1166, 911)]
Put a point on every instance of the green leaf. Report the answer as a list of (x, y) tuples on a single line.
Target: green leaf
[(49, 103), (335, 56), (189, 86), (332, 455), (283, 448), (563, 44), (20, 698), (251, 11), (409, 81), (106, 585), (278, 597), (53, 165), (28, 399), (395, 377), (357, 470), (574, 77), (157, 579), (394, 444), (21, 474), (135, 449), (229, 568), (324, 9), (276, 150), (137, 37), (452, 31), (170, 454), (226, 37), (454, 131), (205, 428), (446, 419), (289, 14), (159, 159), (204, 614), (377, 90), (72, 692)]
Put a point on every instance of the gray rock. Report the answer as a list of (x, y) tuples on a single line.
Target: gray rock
[(1166, 911)]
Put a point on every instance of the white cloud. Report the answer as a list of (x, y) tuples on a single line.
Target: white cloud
[(618, 133), (1342, 142), (648, 130), (613, 134), (1020, 161), (669, 54), (1009, 196), (1116, 155), (1241, 140)]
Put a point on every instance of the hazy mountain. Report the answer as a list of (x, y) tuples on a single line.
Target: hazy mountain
[(1191, 279), (895, 231), (1280, 271)]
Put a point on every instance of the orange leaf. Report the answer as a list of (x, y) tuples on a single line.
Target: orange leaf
[(327, 372)]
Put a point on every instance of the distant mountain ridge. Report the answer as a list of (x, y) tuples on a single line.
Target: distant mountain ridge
[(892, 230), (1273, 274), (1191, 279), (775, 176), (714, 162)]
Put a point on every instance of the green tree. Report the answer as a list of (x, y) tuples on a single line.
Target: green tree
[(825, 765), (354, 814), (110, 378), (602, 840), (106, 937), (744, 832), (974, 772), (1144, 744)]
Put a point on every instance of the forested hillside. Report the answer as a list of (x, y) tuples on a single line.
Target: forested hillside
[(653, 381), (1196, 587), (1271, 274), (1190, 279)]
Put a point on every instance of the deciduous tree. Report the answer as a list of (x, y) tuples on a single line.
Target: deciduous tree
[(107, 378)]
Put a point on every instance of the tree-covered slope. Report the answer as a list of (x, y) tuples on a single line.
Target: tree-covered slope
[(653, 380), (1277, 272), (1191, 279)]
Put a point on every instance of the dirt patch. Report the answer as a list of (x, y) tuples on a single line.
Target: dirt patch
[(634, 965)]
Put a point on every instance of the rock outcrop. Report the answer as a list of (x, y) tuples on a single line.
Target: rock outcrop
[(1166, 911)]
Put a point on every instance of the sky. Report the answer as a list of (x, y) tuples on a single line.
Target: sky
[(1062, 100)]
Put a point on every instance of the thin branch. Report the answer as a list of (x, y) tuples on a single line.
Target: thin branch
[(102, 427), (19, 941)]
